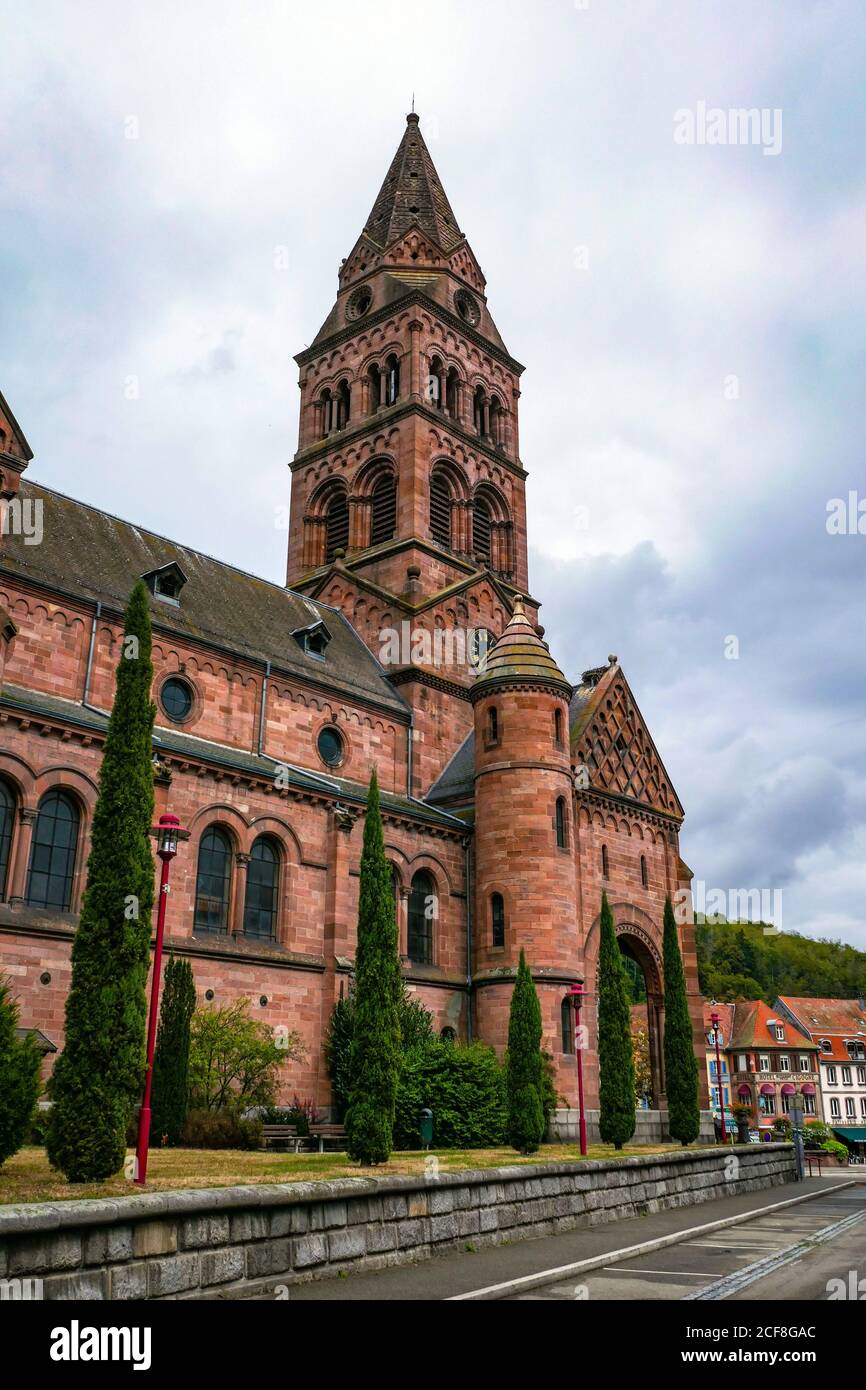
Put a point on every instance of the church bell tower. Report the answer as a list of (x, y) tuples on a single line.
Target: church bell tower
[(408, 493)]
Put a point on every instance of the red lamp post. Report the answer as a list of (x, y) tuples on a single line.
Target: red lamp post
[(167, 834), (576, 995), (715, 1021)]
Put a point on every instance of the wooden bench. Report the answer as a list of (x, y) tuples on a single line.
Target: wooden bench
[(334, 1136), (280, 1138)]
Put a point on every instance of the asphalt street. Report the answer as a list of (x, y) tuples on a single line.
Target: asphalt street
[(692, 1267)]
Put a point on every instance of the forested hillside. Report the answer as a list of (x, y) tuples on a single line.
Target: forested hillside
[(749, 960)]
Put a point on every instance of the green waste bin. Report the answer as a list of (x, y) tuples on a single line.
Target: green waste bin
[(426, 1119)]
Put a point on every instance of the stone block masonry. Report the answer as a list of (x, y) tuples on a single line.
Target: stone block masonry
[(243, 1242)]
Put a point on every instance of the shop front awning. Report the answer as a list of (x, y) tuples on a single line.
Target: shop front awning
[(768, 1090), (788, 1089), (808, 1089), (855, 1134)]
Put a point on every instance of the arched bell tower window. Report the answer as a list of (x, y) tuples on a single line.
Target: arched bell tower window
[(336, 524), (497, 920), (644, 876), (479, 400), (481, 530), (605, 863), (440, 510), (342, 405), (383, 511), (561, 824), (452, 393), (374, 389), (493, 724), (436, 384), (392, 380), (557, 728)]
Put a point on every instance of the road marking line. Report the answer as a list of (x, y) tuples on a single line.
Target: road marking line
[(679, 1273), (550, 1276), (732, 1283)]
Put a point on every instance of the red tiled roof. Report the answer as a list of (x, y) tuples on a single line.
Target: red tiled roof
[(752, 1020), (827, 1016)]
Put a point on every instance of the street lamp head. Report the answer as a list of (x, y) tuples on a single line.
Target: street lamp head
[(715, 1020), (576, 994), (168, 833)]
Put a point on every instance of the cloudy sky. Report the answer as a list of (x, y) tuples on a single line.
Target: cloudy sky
[(691, 316)]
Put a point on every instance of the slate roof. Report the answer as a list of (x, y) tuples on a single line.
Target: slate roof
[(412, 194), (456, 781), (223, 755), (93, 555), (519, 655)]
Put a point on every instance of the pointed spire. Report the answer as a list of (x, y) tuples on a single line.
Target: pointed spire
[(412, 193), (519, 655)]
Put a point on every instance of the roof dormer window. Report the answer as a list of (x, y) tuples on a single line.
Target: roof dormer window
[(166, 582), (313, 640)]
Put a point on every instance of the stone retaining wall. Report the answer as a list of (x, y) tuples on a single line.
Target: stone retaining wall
[(651, 1127), (237, 1242)]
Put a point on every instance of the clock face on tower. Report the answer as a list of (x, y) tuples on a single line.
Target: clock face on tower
[(467, 307)]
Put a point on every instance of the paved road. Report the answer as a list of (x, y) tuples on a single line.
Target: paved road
[(687, 1268), (792, 1254)]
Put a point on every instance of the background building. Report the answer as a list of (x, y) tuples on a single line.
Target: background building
[(838, 1026)]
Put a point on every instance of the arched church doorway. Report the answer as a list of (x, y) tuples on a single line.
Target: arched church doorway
[(644, 974)]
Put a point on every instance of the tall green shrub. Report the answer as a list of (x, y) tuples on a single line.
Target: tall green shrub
[(615, 1059), (464, 1086), (99, 1075), (524, 1065), (375, 1054), (19, 1077), (681, 1064), (416, 1030), (171, 1058)]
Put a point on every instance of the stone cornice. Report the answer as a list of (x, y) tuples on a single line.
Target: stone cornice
[(599, 797), (392, 413), (415, 297)]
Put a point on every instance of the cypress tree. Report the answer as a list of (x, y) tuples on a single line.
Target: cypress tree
[(374, 1061), (171, 1058), (19, 1077), (681, 1064), (524, 1065), (99, 1075), (615, 1057)]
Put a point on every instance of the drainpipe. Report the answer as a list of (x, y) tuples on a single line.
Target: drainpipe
[(96, 616), (266, 679), (467, 870)]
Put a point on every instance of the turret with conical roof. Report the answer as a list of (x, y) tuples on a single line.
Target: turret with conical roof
[(524, 831)]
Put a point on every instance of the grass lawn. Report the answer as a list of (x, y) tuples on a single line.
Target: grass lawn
[(28, 1177)]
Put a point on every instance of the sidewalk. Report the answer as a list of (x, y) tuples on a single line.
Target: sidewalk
[(462, 1271)]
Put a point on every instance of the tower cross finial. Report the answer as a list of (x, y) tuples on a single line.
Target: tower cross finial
[(413, 103)]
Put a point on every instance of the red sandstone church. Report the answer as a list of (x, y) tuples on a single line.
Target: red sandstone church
[(511, 796)]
